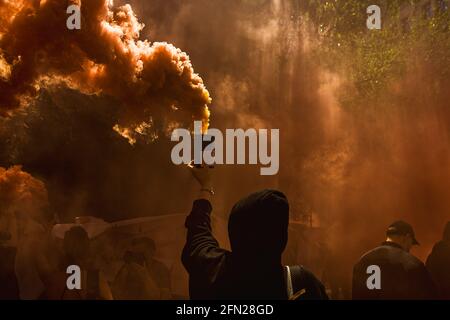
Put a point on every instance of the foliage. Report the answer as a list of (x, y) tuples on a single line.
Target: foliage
[(413, 32)]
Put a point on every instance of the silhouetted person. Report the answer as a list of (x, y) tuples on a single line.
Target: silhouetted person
[(77, 251), (133, 281), (9, 288), (156, 269), (258, 232), (402, 275), (438, 263)]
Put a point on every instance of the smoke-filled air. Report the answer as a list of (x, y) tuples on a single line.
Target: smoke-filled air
[(364, 115)]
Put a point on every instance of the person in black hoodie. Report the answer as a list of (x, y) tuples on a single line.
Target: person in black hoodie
[(438, 263), (258, 232)]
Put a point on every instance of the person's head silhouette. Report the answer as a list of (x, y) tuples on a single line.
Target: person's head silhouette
[(258, 226)]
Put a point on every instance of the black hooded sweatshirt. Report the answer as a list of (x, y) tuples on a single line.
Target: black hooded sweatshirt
[(258, 233)]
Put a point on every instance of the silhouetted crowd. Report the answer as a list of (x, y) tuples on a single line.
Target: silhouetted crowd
[(252, 269), (137, 275), (258, 233)]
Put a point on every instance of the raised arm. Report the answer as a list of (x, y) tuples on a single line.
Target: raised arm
[(202, 256)]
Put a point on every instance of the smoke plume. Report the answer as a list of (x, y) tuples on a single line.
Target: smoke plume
[(18, 188), (155, 82)]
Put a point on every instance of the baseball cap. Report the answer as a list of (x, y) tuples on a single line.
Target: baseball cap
[(402, 228)]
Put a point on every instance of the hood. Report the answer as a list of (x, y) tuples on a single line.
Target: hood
[(258, 225)]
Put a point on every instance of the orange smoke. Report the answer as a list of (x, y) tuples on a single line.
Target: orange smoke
[(18, 188), (155, 82)]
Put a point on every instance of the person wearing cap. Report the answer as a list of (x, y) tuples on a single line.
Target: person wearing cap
[(402, 276), (438, 263)]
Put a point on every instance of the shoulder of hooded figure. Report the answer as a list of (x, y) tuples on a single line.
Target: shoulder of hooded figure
[(314, 288), (313, 278)]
